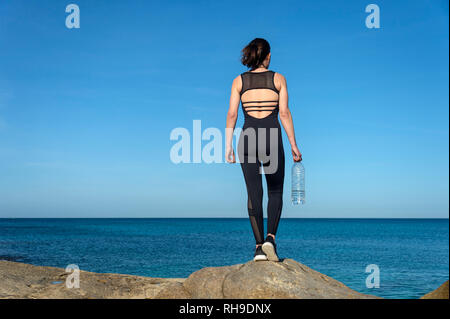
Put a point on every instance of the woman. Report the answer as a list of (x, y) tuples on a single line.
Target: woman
[(263, 95)]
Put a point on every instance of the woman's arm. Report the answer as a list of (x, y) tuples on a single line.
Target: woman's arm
[(232, 117), (286, 116)]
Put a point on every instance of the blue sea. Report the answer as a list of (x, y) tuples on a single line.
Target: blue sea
[(411, 254)]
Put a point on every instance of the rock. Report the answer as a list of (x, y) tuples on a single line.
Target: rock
[(439, 293), (19, 280), (174, 290), (285, 279), (207, 283)]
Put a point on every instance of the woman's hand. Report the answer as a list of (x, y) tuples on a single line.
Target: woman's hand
[(229, 155), (296, 154)]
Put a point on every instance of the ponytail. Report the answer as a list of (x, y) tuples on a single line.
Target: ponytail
[(254, 54)]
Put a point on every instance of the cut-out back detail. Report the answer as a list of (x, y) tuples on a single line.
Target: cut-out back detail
[(259, 94)]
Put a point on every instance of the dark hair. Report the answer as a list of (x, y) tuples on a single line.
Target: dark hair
[(255, 52)]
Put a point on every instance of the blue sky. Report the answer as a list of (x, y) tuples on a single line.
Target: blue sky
[(85, 114)]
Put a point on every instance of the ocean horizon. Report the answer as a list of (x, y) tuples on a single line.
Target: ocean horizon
[(412, 254)]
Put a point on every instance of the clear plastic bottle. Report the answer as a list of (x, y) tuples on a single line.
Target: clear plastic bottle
[(298, 183)]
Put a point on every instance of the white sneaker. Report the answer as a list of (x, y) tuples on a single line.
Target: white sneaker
[(259, 254)]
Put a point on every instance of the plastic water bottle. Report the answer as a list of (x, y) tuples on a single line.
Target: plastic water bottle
[(298, 183)]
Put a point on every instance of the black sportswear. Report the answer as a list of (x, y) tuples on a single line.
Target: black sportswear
[(261, 145)]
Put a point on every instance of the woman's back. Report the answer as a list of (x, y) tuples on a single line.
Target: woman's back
[(259, 95)]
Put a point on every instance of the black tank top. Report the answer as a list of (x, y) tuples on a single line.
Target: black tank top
[(259, 80)]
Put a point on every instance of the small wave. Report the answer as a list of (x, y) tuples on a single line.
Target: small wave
[(13, 258)]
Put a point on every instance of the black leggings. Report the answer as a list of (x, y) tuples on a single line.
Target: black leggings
[(273, 166)]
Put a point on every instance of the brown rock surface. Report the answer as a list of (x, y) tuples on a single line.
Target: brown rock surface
[(439, 293), (19, 280), (285, 279)]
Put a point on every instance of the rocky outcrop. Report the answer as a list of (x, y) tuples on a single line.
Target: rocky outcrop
[(439, 293), (285, 279), (19, 280)]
